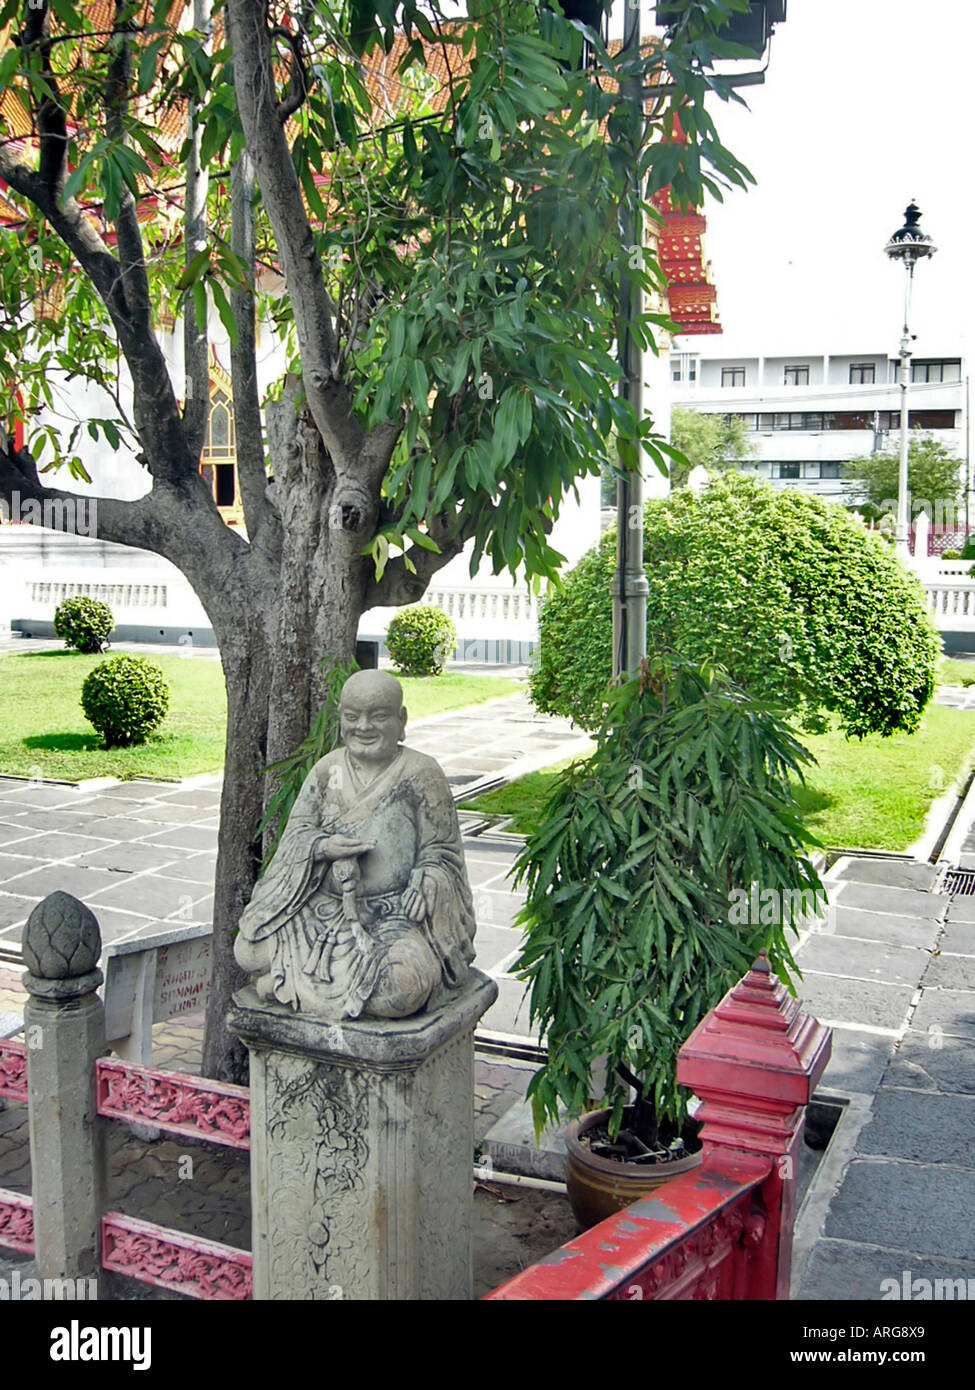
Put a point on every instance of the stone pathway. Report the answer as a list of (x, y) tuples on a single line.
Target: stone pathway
[(893, 970)]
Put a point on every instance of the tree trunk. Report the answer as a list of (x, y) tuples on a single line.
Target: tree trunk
[(247, 667), (271, 656)]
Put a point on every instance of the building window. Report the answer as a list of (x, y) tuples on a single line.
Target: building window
[(786, 470), (918, 420), (732, 376), (829, 470), (797, 376), (862, 373), (936, 371), (218, 462)]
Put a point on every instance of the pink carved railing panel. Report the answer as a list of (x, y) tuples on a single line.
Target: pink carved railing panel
[(13, 1069), (687, 1240), (16, 1222), (170, 1260), (174, 1101)]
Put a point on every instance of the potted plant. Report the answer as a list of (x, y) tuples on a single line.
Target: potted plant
[(663, 864)]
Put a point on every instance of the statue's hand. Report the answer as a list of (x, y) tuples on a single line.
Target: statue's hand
[(420, 897), (343, 847)]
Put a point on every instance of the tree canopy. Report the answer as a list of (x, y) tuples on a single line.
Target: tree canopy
[(429, 209), (708, 441), (934, 478)]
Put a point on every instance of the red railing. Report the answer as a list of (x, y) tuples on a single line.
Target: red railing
[(178, 1104), (13, 1070), (175, 1102)]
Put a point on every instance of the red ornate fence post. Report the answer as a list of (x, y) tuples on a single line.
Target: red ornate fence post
[(755, 1061)]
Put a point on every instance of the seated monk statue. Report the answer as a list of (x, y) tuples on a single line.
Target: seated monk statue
[(365, 909)]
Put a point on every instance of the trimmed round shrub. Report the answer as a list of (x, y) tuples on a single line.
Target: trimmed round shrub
[(421, 641), (125, 698), (84, 623), (801, 605), (951, 555)]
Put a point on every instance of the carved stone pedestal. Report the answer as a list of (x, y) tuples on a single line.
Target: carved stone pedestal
[(362, 1141)]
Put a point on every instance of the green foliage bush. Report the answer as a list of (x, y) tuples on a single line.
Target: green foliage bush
[(968, 550), (125, 698), (801, 605), (951, 555), (635, 879), (84, 623), (421, 641)]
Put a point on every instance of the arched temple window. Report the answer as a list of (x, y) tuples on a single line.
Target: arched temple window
[(219, 458)]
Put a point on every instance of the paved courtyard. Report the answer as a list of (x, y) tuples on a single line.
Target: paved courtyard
[(891, 968)]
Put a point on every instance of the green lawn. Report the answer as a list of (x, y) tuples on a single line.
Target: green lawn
[(45, 734), (872, 794), (952, 672)]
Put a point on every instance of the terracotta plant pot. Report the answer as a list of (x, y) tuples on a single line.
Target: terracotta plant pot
[(599, 1187)]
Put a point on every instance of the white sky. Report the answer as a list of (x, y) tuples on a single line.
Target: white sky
[(866, 104)]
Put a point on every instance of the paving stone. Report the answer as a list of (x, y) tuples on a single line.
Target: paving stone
[(901, 901), (494, 946), (496, 909), (192, 796), (962, 909), (881, 926), (950, 972), (58, 846), (75, 818), (947, 1067), (172, 815), (186, 837), (13, 866), (195, 868), (14, 909), (857, 1062), (45, 794), (905, 1206), (140, 791), (891, 873), (842, 1272), (958, 939), (863, 960), (131, 857), (110, 805), (69, 878), (124, 828), (150, 894), (11, 833), (951, 1010), (509, 1012), (853, 1002), (924, 1128)]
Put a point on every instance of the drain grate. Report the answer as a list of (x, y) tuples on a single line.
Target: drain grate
[(960, 883)]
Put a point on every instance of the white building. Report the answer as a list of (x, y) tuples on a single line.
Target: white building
[(809, 413)]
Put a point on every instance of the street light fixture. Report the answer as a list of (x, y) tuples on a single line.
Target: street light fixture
[(909, 245)]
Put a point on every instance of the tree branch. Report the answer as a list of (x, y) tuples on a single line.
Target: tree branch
[(196, 406), (251, 470), (132, 262), (328, 398)]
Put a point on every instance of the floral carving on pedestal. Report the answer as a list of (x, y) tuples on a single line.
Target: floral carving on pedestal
[(174, 1102), (325, 1176), (16, 1222), (13, 1070), (200, 1268)]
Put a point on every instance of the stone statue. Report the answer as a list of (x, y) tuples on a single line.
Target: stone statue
[(365, 909)]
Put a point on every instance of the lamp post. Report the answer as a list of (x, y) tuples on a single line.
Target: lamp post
[(629, 585), (908, 245)]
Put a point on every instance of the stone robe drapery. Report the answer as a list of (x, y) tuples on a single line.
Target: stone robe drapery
[(315, 958)]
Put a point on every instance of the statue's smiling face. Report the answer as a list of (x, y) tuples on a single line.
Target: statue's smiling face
[(372, 727)]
